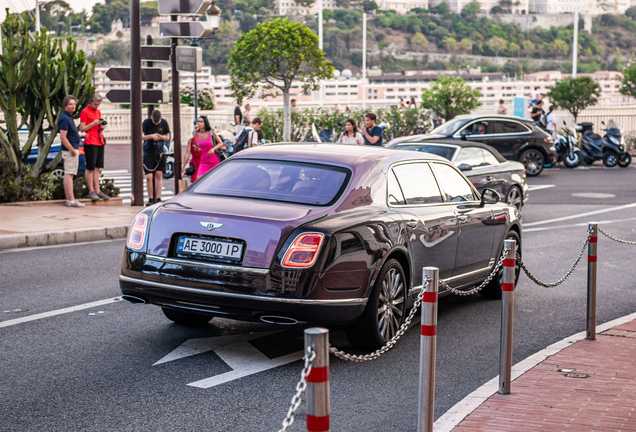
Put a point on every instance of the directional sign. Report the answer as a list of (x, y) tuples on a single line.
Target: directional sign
[(155, 53), (183, 7), (153, 97), (189, 59), (189, 29), (147, 74)]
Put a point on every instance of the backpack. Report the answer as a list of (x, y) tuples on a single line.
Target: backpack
[(243, 140)]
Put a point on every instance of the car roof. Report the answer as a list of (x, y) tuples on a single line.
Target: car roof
[(333, 154), (492, 116), (454, 142)]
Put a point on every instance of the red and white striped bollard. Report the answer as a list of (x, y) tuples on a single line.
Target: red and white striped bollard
[(507, 317), (428, 351), (592, 258), (318, 393)]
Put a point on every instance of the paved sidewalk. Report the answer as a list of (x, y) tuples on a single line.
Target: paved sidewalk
[(43, 225), (587, 386)]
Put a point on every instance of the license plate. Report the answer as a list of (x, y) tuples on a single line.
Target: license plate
[(212, 248)]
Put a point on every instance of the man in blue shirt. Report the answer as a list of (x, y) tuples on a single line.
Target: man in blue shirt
[(70, 148), (372, 134)]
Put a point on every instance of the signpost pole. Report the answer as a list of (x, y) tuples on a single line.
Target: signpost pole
[(135, 105), (176, 119)]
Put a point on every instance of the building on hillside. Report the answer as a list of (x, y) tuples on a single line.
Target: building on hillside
[(290, 7), (586, 7), (402, 6), (456, 6)]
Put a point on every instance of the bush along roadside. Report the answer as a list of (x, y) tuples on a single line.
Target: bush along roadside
[(44, 188)]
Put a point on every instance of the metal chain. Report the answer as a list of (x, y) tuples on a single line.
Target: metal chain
[(616, 239), (374, 355), (309, 357), (564, 278), (483, 284)]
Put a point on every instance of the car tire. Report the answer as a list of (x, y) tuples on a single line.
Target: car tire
[(588, 161), (169, 173), (624, 160), (573, 160), (494, 288), (610, 159), (533, 160), (515, 197), (191, 319), (385, 311)]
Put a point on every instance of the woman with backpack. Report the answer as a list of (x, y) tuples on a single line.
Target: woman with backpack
[(351, 134), (203, 139)]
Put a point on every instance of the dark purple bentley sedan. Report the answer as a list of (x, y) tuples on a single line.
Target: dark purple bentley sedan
[(320, 233)]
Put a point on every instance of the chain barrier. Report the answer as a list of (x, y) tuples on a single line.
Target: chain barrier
[(377, 353), (483, 284), (309, 357), (609, 236), (564, 278)]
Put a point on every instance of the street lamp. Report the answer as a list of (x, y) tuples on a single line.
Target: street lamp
[(214, 16)]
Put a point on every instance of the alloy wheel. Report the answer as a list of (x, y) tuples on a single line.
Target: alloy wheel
[(514, 197), (391, 304), (533, 161)]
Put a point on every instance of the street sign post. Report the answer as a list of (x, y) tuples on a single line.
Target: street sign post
[(154, 97), (156, 75), (183, 7), (188, 29), (189, 59), (155, 53)]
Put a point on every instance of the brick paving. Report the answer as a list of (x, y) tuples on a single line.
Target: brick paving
[(589, 386)]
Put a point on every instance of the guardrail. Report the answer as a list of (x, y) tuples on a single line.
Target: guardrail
[(315, 373)]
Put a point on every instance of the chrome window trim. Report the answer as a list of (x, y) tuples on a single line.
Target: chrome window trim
[(325, 302), (418, 288), (214, 266), (472, 186), (459, 131)]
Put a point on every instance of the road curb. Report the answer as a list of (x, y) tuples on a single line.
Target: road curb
[(24, 240), (451, 418)]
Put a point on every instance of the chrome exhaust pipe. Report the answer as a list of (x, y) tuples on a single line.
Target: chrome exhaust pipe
[(273, 319), (134, 300)]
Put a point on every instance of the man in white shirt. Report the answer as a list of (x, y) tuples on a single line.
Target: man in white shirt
[(257, 133), (550, 122)]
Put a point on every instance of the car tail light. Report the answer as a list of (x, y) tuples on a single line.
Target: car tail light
[(137, 233), (548, 139), (303, 251)]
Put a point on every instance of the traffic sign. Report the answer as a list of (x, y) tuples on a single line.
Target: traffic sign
[(155, 53), (183, 7), (189, 29), (153, 97), (156, 75), (189, 59)]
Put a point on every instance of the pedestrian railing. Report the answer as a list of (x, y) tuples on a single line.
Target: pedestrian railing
[(315, 373)]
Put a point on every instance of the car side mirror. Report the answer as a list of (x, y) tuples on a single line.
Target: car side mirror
[(465, 167), (489, 196), (464, 134)]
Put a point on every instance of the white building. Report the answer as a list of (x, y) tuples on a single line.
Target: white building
[(290, 7), (402, 6), (586, 7), (456, 6)]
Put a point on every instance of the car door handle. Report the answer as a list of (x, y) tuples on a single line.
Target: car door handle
[(489, 178), (462, 218), (412, 224)]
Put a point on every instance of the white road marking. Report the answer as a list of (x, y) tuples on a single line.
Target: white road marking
[(593, 195), (52, 313), (236, 351), (581, 224), (580, 215), (470, 403), (539, 187)]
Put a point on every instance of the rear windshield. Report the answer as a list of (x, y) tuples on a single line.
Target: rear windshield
[(300, 183), (446, 152)]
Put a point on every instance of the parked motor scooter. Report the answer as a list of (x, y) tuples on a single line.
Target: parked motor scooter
[(610, 148), (567, 151), (168, 149)]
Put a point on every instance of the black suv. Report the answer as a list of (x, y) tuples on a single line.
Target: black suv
[(515, 138)]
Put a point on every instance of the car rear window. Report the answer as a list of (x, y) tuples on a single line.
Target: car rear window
[(294, 182)]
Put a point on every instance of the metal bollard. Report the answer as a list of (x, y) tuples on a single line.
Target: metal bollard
[(591, 281), (318, 393), (428, 352), (507, 318)]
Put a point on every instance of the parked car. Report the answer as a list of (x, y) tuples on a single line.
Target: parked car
[(482, 164), (58, 171), (513, 137), (321, 233)]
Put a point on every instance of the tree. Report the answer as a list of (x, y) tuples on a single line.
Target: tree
[(275, 54), (513, 49), (574, 94), (205, 97), (369, 6), (450, 97), (528, 47), (559, 48), (450, 44), (466, 45), (470, 11), (631, 12), (419, 42), (496, 44), (628, 81)]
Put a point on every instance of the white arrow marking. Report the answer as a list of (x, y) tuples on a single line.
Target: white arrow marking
[(236, 351)]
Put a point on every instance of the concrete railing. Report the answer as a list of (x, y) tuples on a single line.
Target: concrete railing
[(118, 128), (624, 116)]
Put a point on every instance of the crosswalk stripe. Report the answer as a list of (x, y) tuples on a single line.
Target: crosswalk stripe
[(122, 179)]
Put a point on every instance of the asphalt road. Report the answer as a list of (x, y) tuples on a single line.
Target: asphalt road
[(92, 369)]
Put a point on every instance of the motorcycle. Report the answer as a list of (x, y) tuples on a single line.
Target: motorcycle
[(168, 150), (567, 151), (610, 148)]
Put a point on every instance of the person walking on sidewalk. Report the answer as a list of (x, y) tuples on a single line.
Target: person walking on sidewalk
[(238, 117), (70, 148), (155, 132), (92, 123), (203, 138)]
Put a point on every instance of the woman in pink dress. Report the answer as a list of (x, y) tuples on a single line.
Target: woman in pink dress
[(203, 139), (195, 151)]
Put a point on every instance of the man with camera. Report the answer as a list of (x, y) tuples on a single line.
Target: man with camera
[(92, 123)]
